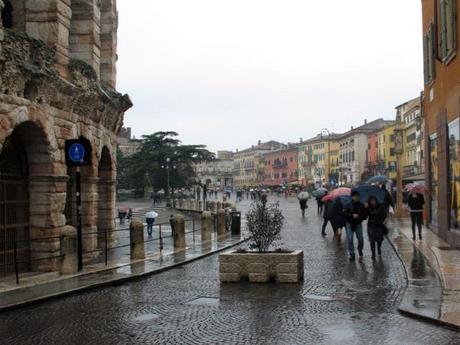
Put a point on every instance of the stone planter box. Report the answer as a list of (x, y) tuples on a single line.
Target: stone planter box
[(261, 267)]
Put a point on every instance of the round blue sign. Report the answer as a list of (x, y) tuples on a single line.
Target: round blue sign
[(76, 153)]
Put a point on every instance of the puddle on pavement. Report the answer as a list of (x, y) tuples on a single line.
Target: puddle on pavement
[(146, 317), (321, 297), (329, 298), (207, 301)]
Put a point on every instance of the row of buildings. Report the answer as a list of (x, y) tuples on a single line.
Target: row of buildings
[(328, 158)]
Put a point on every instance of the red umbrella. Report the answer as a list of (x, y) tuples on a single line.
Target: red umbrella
[(415, 188), (336, 193)]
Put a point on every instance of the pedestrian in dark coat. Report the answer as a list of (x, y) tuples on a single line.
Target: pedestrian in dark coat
[(303, 206), (355, 213), (416, 203), (336, 217), (375, 225), (327, 214), (320, 205), (388, 201)]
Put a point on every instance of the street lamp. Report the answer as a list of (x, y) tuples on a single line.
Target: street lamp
[(168, 168), (326, 131)]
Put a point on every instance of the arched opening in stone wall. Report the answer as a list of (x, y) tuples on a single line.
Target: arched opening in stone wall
[(7, 15), (106, 197), (13, 14), (24, 153)]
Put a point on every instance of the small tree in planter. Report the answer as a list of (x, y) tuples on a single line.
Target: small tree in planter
[(264, 223)]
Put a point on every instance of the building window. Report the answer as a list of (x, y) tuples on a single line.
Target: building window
[(447, 16), (434, 178), (454, 169), (429, 55)]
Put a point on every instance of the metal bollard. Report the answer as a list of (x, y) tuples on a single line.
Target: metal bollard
[(206, 226), (179, 232), (136, 238), (221, 231), (69, 249)]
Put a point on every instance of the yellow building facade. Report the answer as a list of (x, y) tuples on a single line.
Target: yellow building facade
[(387, 162), (318, 160)]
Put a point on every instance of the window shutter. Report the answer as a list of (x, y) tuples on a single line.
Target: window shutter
[(425, 62), (433, 54), (453, 17), (443, 40)]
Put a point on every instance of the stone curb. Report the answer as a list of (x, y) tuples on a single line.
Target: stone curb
[(409, 313), (115, 281)]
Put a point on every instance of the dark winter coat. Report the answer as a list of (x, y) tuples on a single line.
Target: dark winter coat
[(416, 203), (388, 200), (375, 226), (334, 212), (303, 204), (355, 208)]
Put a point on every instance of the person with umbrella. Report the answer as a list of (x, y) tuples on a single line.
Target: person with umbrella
[(303, 199), (416, 202), (150, 219), (355, 213), (375, 226)]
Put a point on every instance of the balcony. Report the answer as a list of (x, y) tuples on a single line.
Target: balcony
[(279, 165), (411, 170)]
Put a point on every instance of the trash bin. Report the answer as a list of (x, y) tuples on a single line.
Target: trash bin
[(236, 223)]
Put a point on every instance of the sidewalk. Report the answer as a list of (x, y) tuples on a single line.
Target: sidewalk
[(41, 287), (433, 290)]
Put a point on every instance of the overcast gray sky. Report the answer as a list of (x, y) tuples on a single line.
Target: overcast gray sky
[(226, 73)]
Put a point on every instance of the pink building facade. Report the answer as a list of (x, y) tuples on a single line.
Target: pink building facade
[(281, 167)]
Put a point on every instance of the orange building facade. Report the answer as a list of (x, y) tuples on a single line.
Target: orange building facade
[(280, 167), (441, 109), (372, 154)]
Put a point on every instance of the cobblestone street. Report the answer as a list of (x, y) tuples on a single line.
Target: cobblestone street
[(338, 303)]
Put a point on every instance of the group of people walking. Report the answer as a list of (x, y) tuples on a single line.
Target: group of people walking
[(351, 216)]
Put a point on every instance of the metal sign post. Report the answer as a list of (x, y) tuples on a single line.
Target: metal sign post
[(78, 154), (79, 225)]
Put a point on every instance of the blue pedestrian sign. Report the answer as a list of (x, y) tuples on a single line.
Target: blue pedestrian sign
[(78, 152)]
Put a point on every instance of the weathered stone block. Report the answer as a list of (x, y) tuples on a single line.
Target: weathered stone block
[(262, 267)]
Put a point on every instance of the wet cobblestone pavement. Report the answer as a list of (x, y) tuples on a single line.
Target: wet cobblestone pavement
[(338, 303)]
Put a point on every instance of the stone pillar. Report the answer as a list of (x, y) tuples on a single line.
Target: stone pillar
[(69, 250), (85, 42), (200, 205), (221, 231), (47, 197), (179, 232), (49, 21), (136, 238), (206, 226), (89, 209), (109, 26), (105, 216)]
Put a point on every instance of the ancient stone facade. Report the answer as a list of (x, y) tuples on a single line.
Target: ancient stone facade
[(57, 82)]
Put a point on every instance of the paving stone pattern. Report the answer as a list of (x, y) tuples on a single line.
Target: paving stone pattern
[(338, 303)]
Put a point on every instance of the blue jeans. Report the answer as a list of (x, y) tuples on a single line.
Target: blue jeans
[(359, 235)]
